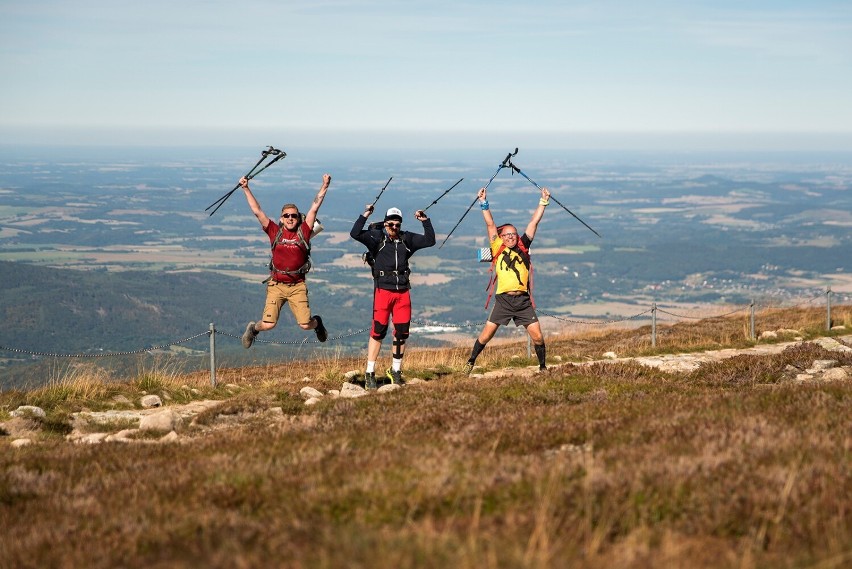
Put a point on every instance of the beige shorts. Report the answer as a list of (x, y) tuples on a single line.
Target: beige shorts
[(296, 295)]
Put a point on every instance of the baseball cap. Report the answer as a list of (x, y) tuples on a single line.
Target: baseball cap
[(393, 214)]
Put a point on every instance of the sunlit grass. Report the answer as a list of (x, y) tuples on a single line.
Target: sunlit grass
[(591, 466)]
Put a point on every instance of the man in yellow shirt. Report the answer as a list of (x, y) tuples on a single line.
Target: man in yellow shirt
[(512, 268)]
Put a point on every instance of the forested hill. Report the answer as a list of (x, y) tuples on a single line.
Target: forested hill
[(68, 311)]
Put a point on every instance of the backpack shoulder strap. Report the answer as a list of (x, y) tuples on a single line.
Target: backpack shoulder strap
[(529, 259), (492, 279)]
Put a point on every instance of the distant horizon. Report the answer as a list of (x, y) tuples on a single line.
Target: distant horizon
[(410, 139)]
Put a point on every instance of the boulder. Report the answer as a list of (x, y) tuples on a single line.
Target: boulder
[(162, 422), (820, 365), (172, 437), (350, 390), (835, 374), (832, 345), (91, 438), (310, 393), (151, 401), (122, 436), (28, 410)]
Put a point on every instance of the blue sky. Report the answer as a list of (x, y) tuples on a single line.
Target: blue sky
[(572, 73)]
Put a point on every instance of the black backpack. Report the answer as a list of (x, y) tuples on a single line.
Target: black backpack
[(369, 258)]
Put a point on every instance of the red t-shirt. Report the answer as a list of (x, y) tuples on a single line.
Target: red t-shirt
[(288, 255)]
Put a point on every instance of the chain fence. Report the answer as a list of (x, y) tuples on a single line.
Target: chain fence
[(212, 333)]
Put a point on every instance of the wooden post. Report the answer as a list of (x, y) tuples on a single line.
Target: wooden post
[(654, 325), (212, 355), (828, 308), (751, 322)]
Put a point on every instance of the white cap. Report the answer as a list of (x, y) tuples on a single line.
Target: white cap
[(393, 213)]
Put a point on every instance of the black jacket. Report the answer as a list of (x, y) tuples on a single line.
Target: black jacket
[(390, 265)]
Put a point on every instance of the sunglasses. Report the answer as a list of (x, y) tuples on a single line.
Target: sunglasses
[(509, 235), (394, 225), (290, 216)]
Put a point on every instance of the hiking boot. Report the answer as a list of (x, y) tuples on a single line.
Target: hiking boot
[(249, 335), (395, 376), (468, 368), (370, 380), (322, 334)]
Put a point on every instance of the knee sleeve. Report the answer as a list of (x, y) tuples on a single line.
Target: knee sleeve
[(400, 334), (379, 330), (400, 331)]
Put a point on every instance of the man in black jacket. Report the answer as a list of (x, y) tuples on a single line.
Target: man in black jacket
[(388, 250)]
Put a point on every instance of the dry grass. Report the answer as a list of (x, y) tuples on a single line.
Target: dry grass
[(599, 466)]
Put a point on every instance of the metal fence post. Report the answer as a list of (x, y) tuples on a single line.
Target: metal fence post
[(654, 325), (751, 322), (212, 355), (828, 308)]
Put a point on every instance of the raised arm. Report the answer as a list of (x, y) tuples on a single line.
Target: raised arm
[(312, 213), (252, 202), (490, 228), (358, 233), (428, 237), (538, 213)]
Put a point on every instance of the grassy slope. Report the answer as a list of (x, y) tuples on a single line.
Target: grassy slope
[(608, 465)]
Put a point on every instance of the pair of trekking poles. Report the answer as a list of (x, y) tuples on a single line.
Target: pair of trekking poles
[(270, 151), (507, 163)]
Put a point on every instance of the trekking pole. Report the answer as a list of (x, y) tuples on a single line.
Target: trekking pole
[(279, 154), (519, 171), (506, 160), (459, 223), (375, 201), (442, 195)]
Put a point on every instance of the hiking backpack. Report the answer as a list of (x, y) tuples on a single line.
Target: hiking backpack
[(492, 280), (300, 241), (370, 259)]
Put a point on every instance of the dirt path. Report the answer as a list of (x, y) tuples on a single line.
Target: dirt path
[(688, 362)]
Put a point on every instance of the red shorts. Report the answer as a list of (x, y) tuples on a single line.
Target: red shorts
[(387, 303)]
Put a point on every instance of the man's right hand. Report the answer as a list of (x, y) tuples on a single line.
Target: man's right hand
[(244, 183), (368, 210), (482, 196)]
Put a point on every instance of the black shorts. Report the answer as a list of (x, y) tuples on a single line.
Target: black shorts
[(509, 307)]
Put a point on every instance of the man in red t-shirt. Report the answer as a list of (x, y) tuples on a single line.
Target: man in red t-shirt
[(290, 263)]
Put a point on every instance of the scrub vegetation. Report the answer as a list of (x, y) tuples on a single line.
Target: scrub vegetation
[(590, 465)]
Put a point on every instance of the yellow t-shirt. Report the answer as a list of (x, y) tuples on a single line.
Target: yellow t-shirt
[(512, 270)]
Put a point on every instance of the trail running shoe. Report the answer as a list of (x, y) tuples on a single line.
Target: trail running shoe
[(468, 368), (370, 381), (395, 376), (322, 334), (249, 335)]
